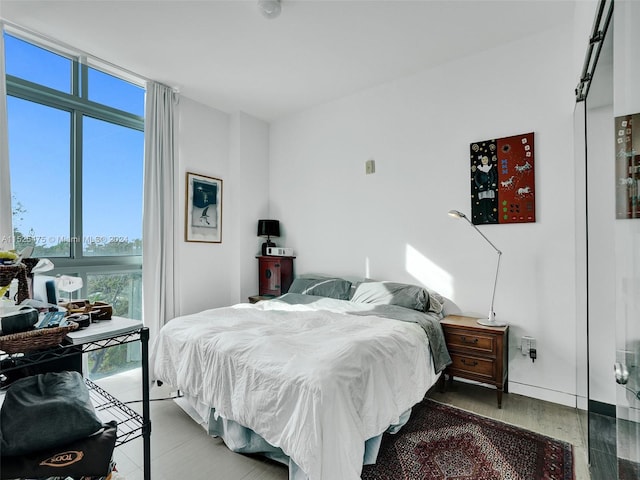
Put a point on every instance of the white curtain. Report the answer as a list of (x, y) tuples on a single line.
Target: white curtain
[(6, 223), (159, 287)]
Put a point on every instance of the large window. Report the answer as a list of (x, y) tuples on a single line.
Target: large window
[(76, 138)]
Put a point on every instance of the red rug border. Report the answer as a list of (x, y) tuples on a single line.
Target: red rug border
[(459, 414), (517, 427)]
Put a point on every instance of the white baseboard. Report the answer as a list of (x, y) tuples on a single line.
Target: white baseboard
[(582, 403), (545, 394), (626, 412)]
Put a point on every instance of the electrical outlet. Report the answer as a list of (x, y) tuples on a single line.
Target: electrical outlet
[(526, 346)]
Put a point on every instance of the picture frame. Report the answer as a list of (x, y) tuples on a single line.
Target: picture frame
[(502, 178), (203, 209), (627, 161)]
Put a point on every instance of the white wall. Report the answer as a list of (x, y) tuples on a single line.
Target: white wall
[(234, 149), (394, 225), (602, 277), (250, 173), (203, 149)]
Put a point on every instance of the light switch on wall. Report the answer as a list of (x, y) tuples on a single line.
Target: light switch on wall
[(370, 166)]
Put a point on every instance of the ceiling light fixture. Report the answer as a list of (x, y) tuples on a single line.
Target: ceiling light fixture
[(270, 8)]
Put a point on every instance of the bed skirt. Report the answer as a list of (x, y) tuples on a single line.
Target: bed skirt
[(244, 440)]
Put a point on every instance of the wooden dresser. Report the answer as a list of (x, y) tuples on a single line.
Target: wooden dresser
[(478, 353), (275, 275)]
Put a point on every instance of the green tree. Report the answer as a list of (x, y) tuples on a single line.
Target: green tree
[(20, 240), (115, 290), (111, 289)]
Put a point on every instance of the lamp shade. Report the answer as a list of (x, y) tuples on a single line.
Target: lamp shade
[(457, 214), (268, 228)]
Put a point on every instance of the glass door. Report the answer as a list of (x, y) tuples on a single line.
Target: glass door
[(595, 227), (609, 188), (626, 141), (600, 261)]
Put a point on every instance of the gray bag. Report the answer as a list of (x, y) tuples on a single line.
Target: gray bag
[(45, 411)]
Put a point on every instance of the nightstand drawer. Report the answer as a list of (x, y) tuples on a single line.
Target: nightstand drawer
[(459, 339), (472, 367)]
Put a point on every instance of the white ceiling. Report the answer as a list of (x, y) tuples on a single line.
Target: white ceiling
[(226, 55)]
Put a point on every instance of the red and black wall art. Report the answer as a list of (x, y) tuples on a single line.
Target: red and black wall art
[(502, 180), (627, 167)]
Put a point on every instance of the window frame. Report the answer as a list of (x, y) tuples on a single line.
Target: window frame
[(78, 106)]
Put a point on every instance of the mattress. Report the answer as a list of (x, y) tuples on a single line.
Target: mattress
[(314, 378)]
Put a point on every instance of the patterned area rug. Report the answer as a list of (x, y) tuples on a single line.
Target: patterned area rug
[(445, 443), (628, 470)]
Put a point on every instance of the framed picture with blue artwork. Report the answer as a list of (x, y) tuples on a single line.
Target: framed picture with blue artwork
[(203, 218)]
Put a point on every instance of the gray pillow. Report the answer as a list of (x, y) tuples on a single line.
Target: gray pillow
[(391, 293), (436, 302), (322, 287), (45, 411)]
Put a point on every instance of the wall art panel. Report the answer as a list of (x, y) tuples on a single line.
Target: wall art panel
[(503, 180)]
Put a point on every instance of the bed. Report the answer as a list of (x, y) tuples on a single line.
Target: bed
[(312, 378)]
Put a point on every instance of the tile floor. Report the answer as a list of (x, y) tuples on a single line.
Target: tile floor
[(181, 449)]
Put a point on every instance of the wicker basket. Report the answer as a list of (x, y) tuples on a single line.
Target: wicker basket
[(98, 310), (37, 339), (29, 263), (19, 271)]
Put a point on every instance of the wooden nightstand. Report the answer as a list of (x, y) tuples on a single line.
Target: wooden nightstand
[(275, 275), (257, 298), (478, 353)]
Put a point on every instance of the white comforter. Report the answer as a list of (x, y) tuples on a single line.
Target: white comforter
[(317, 384)]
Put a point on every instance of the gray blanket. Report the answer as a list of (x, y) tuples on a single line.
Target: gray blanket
[(430, 322)]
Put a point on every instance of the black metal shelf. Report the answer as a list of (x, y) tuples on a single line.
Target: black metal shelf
[(131, 424), (14, 361)]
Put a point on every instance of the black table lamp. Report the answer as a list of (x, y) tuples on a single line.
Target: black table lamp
[(268, 228)]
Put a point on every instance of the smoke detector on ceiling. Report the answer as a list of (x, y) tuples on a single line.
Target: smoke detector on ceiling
[(270, 8)]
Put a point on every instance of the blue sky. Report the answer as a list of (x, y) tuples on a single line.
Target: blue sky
[(40, 149)]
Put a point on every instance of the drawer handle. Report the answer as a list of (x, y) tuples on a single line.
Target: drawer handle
[(471, 342), (472, 363)]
